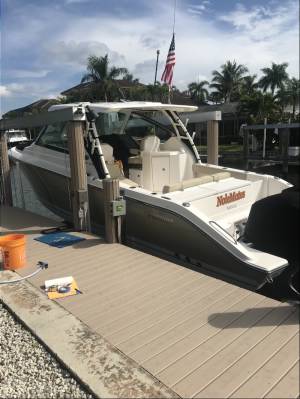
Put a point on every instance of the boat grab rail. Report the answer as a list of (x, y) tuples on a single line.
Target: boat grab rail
[(213, 222)]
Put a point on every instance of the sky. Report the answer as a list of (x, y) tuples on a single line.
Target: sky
[(45, 44)]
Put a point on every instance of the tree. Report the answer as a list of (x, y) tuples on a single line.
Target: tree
[(274, 77), (100, 73), (227, 82), (129, 77), (198, 92), (259, 106), (248, 85), (293, 93)]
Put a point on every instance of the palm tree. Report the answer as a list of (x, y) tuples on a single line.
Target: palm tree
[(293, 93), (198, 92), (228, 81), (259, 106), (99, 72), (129, 77), (249, 86), (274, 77)]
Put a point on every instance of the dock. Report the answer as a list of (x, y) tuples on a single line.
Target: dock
[(190, 334)]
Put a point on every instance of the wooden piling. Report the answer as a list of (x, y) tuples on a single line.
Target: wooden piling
[(284, 145), (111, 192), (5, 172), (246, 148), (79, 187), (213, 142)]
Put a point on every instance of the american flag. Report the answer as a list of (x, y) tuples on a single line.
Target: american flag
[(167, 75)]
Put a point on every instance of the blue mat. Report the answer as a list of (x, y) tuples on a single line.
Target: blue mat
[(59, 240)]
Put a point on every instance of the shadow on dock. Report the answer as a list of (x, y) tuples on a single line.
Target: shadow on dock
[(224, 320)]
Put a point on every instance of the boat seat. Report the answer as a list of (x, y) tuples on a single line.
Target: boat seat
[(150, 144), (115, 170), (128, 182), (135, 160), (196, 181), (107, 151), (220, 176)]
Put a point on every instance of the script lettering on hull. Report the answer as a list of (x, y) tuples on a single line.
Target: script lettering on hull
[(231, 197)]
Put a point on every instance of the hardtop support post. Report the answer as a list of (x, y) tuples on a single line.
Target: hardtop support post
[(6, 198), (213, 142)]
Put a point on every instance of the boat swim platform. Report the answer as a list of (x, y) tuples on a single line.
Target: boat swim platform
[(188, 334)]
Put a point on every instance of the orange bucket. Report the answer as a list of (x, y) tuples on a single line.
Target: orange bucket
[(12, 247)]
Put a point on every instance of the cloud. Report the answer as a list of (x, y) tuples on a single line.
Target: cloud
[(76, 1), (252, 35), (150, 42), (146, 69), (194, 11), (262, 22), (198, 9), (4, 91), (76, 53), (34, 89), (23, 73)]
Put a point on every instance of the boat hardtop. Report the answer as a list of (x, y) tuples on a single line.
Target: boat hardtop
[(127, 105)]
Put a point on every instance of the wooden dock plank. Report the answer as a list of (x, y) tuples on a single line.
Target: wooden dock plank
[(269, 373), (199, 335), (182, 356), (288, 385), (223, 371)]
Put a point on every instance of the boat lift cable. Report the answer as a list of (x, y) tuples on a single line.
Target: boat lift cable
[(41, 266)]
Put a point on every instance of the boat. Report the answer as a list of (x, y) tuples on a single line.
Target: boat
[(175, 204), (16, 136)]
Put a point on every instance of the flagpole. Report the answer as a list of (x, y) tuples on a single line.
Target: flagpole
[(167, 75), (174, 17), (174, 21), (155, 77)]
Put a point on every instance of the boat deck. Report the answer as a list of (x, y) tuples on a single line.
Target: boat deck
[(198, 335)]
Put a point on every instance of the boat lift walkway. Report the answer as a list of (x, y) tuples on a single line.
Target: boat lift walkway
[(177, 332)]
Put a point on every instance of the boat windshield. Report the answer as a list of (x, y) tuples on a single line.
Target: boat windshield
[(134, 124)]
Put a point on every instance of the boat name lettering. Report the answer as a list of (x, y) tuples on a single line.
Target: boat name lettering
[(227, 198)]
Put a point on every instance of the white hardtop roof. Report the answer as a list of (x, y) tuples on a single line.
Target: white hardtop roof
[(128, 105)]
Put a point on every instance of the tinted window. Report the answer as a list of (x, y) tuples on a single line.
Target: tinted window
[(110, 123), (55, 137)]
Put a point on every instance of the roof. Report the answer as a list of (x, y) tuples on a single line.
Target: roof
[(128, 105), (226, 108), (122, 83), (36, 106)]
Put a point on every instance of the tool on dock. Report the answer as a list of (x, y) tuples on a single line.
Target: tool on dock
[(61, 287)]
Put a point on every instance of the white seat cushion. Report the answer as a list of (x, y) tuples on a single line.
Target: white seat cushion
[(150, 144), (107, 151)]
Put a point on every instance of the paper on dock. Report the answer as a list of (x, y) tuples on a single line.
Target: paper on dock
[(52, 287)]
